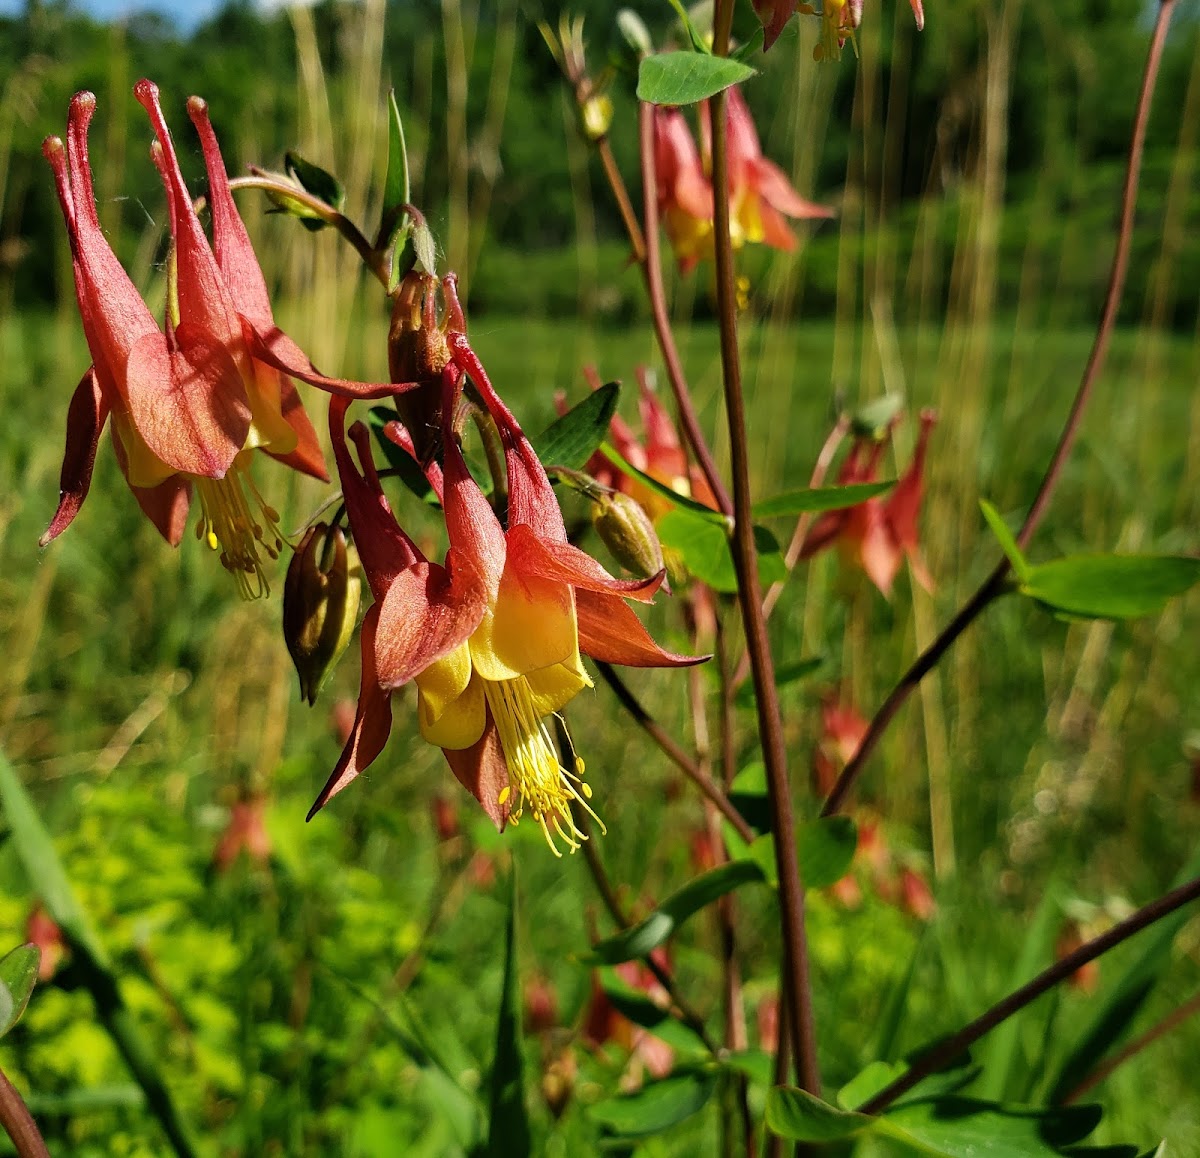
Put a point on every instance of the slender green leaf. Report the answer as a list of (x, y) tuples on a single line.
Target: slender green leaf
[(957, 1127), (799, 1117), (756, 1064), (572, 439), (396, 189), (1000, 1049), (674, 497), (683, 78), (315, 180), (895, 1010), (810, 500), (699, 43), (1111, 586), (698, 893), (18, 976), (86, 1100), (1005, 538), (706, 552), (1111, 1018), (752, 47), (748, 794), (508, 1120), (657, 1106), (824, 849), (785, 673)]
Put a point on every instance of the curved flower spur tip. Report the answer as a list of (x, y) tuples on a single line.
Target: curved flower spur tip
[(307, 457), (610, 632), (86, 416), (372, 721), (383, 547), (231, 244), (774, 15)]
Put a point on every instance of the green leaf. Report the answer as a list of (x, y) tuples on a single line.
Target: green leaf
[(18, 976), (42, 866), (508, 1120), (785, 673), (748, 794), (699, 44), (673, 497), (872, 419), (1005, 538), (799, 1117), (698, 893), (657, 1106), (752, 47), (756, 1064), (1111, 1018), (317, 181), (1000, 1050), (574, 438), (396, 189), (706, 551), (639, 1008), (958, 1127), (45, 872), (824, 849), (868, 1082), (813, 499), (425, 247), (1110, 586), (683, 78)]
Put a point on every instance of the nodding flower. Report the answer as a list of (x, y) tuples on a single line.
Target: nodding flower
[(190, 401), (761, 196), (493, 637)]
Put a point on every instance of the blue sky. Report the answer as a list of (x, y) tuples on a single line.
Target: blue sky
[(185, 13)]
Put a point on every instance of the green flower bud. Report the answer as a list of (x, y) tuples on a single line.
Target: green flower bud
[(626, 530), (595, 117), (320, 605)]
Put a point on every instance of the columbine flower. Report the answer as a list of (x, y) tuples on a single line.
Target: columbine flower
[(190, 404), (493, 638), (760, 194), (879, 533)]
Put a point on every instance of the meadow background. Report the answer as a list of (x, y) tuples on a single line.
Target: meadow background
[(341, 998)]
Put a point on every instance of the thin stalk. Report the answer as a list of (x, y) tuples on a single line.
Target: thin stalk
[(1160, 1029), (652, 269), (995, 584), (947, 1050), (791, 887), (624, 206), (18, 1122), (674, 752), (608, 894), (372, 258)]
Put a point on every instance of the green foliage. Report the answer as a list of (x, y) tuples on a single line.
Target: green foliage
[(1110, 586), (815, 499), (705, 549), (572, 439), (658, 1106), (508, 1119), (18, 976), (683, 78)]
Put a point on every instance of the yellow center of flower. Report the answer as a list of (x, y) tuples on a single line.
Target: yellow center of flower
[(537, 779), (237, 521)]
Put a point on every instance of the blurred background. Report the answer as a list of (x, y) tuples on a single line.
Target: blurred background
[(332, 988)]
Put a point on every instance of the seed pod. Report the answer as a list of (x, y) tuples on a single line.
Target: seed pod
[(626, 530), (320, 605)]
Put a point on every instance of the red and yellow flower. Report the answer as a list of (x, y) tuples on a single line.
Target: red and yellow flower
[(493, 637), (760, 194), (190, 401)]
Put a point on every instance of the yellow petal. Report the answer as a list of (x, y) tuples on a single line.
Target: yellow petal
[(450, 703), (531, 626), (268, 428), (143, 467), (552, 688)]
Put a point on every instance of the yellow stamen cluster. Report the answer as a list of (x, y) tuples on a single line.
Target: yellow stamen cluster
[(236, 520), (536, 777)]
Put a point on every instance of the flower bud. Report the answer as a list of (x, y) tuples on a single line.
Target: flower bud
[(595, 117), (320, 605), (626, 530)]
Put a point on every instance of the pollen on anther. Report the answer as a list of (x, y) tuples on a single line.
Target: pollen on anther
[(505, 793)]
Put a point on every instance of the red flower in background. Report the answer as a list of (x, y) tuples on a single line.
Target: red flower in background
[(760, 194), (878, 534)]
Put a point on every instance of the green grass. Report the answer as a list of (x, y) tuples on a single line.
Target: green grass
[(138, 695)]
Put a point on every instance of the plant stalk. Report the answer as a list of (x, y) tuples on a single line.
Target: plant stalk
[(18, 1122), (994, 585), (791, 887)]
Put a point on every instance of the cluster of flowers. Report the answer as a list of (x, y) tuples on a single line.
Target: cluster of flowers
[(492, 637)]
